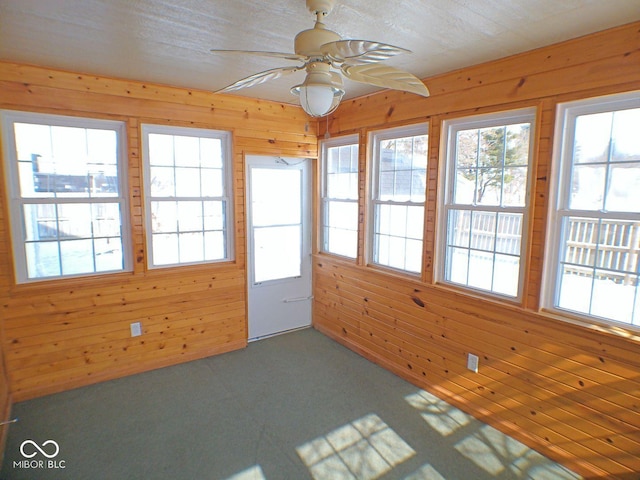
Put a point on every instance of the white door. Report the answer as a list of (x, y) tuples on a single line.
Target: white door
[(278, 244)]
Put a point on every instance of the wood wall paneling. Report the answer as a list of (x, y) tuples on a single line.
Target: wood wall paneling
[(570, 391), (5, 397), (67, 333), (566, 390)]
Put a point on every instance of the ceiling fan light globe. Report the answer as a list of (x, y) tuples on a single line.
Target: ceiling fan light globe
[(318, 100)]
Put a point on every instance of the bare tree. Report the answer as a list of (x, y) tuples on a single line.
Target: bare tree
[(483, 155)]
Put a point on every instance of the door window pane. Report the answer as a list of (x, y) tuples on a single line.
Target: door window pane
[(277, 252), (276, 202), (275, 196)]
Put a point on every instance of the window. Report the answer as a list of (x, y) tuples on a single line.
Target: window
[(187, 195), (66, 181), (485, 201), (399, 177), (339, 225), (595, 232)]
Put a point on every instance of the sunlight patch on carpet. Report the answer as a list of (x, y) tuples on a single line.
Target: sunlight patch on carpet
[(364, 449)]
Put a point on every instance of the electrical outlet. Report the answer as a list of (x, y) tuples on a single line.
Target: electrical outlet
[(472, 362), (136, 329)]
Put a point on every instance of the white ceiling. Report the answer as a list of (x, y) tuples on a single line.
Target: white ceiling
[(168, 41)]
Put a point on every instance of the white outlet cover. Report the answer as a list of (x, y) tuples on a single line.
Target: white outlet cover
[(472, 362), (136, 329)]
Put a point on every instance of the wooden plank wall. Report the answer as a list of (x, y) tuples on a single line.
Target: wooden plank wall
[(570, 391), (67, 333), (5, 401)]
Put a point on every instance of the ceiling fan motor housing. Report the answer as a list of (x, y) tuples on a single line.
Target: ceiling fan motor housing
[(308, 42)]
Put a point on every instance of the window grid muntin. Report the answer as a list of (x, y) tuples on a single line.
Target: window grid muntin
[(87, 192), (503, 120), (494, 251), (406, 240), (396, 169), (416, 133), (593, 271), (175, 238), (66, 172), (330, 231), (609, 163), (479, 166), (61, 240), (339, 146), (568, 115)]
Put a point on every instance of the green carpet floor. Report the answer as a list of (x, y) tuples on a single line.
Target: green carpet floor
[(295, 406)]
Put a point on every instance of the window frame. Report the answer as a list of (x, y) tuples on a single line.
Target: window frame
[(16, 202), (448, 163), (559, 200), (325, 145), (375, 138), (227, 196)]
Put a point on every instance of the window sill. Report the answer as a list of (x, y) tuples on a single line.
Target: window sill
[(54, 284)]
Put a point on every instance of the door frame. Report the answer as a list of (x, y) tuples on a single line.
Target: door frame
[(308, 233)]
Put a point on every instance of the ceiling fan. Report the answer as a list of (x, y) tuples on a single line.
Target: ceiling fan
[(320, 50)]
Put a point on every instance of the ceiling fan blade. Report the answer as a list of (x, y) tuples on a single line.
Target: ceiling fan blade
[(259, 78), (386, 77), (336, 79), (285, 56), (358, 52)]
